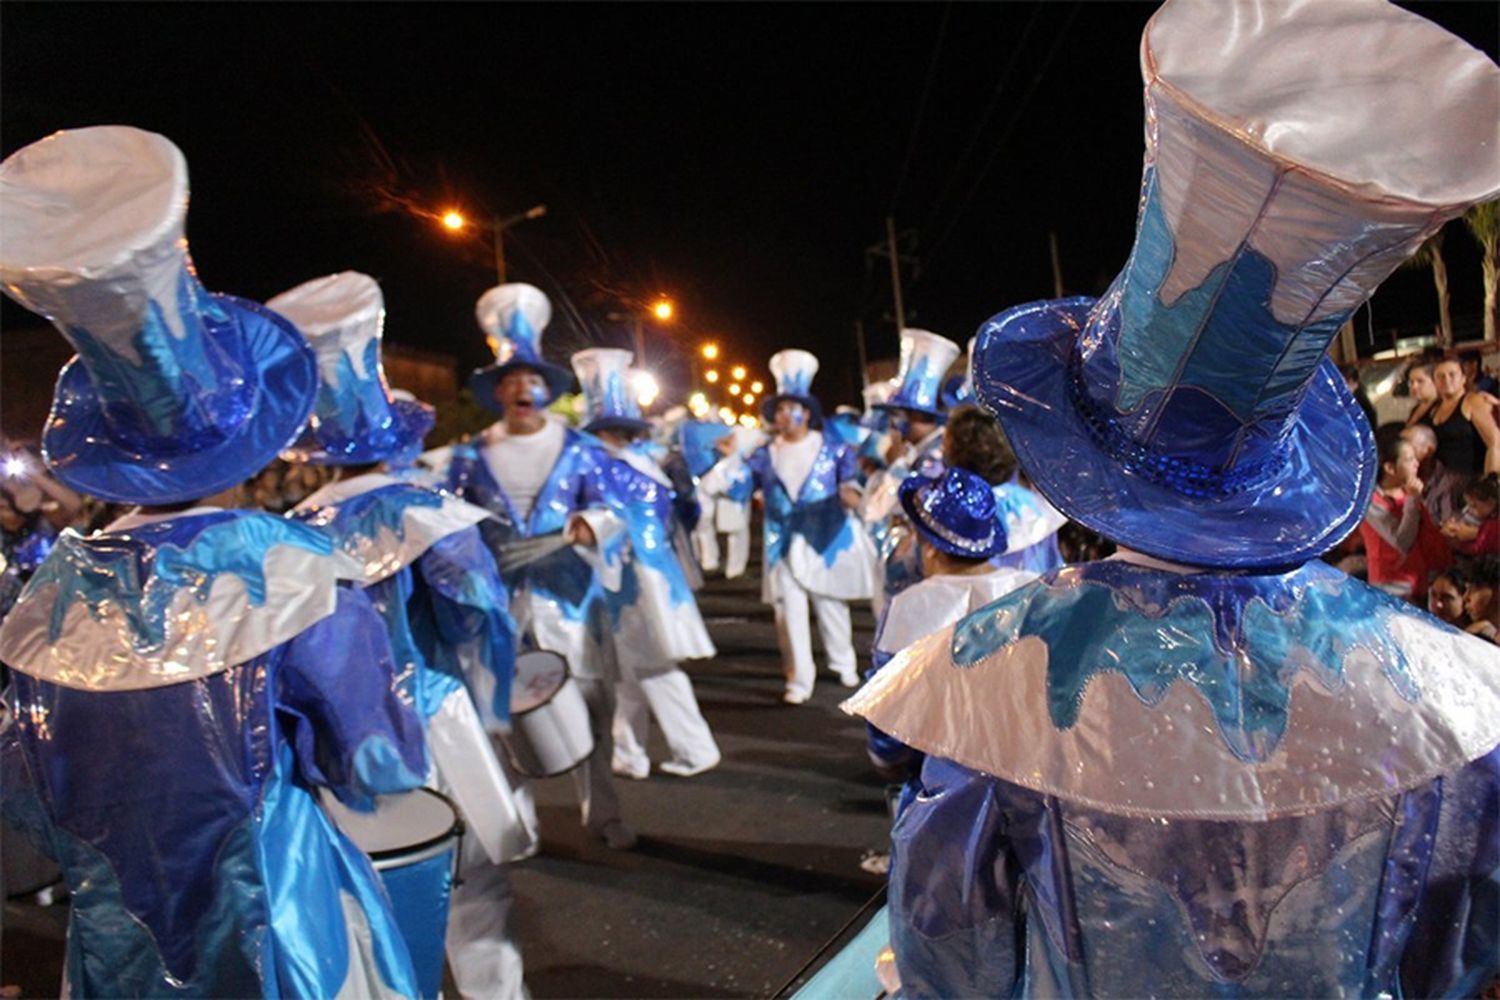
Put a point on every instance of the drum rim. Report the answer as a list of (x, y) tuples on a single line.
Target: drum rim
[(428, 848), (567, 677)]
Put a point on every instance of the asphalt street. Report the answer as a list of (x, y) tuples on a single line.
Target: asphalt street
[(742, 874)]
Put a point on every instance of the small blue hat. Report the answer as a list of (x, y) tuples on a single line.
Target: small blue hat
[(1191, 413), (793, 370), (513, 317), (176, 393), (356, 419), (925, 360), (609, 403), (955, 512), (956, 391), (846, 428)]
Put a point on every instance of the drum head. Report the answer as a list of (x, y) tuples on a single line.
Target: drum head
[(401, 824), (539, 674)]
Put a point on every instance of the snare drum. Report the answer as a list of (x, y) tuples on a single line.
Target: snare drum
[(413, 842), (549, 720)]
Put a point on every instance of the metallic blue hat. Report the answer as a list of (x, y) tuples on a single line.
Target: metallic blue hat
[(176, 394), (356, 419), (955, 512), (925, 360), (793, 370), (609, 403), (874, 394), (956, 391), (699, 439), (1191, 413), (846, 428), (513, 317)]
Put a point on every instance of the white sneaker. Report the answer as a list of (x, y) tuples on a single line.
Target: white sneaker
[(681, 770), (795, 697), (849, 680), (633, 773)]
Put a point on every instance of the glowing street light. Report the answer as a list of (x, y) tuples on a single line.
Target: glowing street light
[(711, 376), (710, 352), (726, 415), (749, 420), (738, 371), (454, 220), (646, 389), (749, 398), (734, 388), (662, 309), (756, 387), (698, 403)]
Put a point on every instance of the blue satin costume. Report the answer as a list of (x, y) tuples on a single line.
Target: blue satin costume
[(1003, 889), (816, 514), (184, 814)]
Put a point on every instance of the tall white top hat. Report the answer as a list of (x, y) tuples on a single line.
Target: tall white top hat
[(1296, 152), (604, 374), (793, 371), (357, 419), (925, 359), (175, 393), (513, 317)]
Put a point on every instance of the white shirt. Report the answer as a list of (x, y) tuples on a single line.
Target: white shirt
[(521, 463), (793, 462)]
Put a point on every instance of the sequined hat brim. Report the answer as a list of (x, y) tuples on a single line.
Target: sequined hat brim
[(1314, 499)]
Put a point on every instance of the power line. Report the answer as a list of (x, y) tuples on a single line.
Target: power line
[(1005, 136), (916, 125)]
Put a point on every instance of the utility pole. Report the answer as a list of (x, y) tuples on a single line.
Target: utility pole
[(499, 225), (890, 236), (1057, 283), (864, 362)]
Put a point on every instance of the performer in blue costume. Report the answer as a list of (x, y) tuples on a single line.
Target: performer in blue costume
[(429, 574), (187, 678), (917, 413), (727, 512), (654, 618), (1210, 766), (815, 550), (539, 477)]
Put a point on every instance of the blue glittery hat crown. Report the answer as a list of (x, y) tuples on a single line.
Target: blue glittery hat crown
[(176, 393), (955, 512), (513, 317), (609, 403), (925, 360), (793, 370), (356, 419), (1191, 412)]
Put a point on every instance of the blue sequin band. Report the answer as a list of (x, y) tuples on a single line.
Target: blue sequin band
[(1187, 477)]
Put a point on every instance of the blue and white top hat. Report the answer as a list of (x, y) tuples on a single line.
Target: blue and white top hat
[(176, 393), (955, 512), (925, 359), (793, 371), (513, 317), (357, 419), (609, 402), (1296, 153)]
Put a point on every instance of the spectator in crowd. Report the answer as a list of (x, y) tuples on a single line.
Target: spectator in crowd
[(1401, 539), (1475, 377), (1351, 379), (1464, 421), (1477, 531), (1421, 389), (1482, 599), (1445, 596)]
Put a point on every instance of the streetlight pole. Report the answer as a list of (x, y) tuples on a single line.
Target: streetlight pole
[(499, 225)]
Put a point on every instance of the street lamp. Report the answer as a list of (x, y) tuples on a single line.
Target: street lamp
[(662, 309), (738, 372), (711, 376), (710, 352), (454, 221), (756, 387)]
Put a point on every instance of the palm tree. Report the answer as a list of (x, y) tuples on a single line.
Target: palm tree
[(1484, 225), (1430, 254)]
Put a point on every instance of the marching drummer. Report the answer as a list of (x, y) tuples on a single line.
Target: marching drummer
[(539, 477), (185, 678), (654, 618), (423, 563)]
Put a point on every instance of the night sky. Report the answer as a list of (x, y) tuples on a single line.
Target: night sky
[(739, 158)]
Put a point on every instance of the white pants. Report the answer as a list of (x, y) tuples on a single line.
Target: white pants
[(667, 694), (794, 635), (739, 553), (706, 539), (706, 543), (483, 950)]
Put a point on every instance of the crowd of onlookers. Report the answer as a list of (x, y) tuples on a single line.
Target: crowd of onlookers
[(1432, 533)]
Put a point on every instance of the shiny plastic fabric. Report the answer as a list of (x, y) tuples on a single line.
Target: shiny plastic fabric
[(1156, 693), (1000, 891), (513, 317), (1190, 413), (419, 896), (198, 860)]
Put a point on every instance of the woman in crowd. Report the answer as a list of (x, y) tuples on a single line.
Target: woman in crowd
[(1445, 596)]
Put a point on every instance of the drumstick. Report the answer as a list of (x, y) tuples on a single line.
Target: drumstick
[(514, 555)]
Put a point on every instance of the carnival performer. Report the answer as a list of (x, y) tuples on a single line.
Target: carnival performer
[(726, 513), (961, 533), (1214, 765), (654, 619), (917, 414), (815, 551), (539, 477), (428, 572), (188, 677)]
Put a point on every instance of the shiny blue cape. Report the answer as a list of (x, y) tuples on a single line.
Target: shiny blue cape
[(816, 513)]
